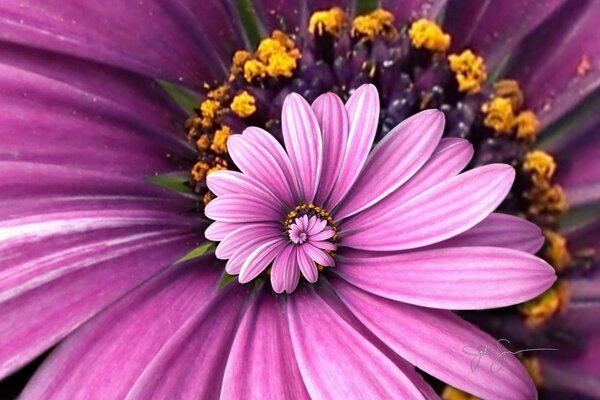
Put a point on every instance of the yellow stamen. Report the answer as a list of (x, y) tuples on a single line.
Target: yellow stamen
[(378, 22), (539, 310), (469, 70), (428, 35), (203, 143), (218, 93), (451, 393), (254, 69), (243, 105), (540, 165), (509, 89), (330, 21), (534, 367), (216, 167), (527, 125), (499, 115), (284, 39), (199, 170), (219, 144), (208, 196), (282, 64), (210, 108), (557, 252), (269, 47), (237, 63)]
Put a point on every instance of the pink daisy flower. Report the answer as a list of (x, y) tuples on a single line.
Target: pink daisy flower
[(386, 241)]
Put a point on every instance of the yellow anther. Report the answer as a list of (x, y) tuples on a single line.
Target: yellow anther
[(547, 199), (557, 252), (534, 367), (208, 196), (219, 144), (206, 122), (254, 69), (378, 22), (509, 88), (240, 58), (199, 170), (469, 70), (451, 393), (282, 64), (527, 125), (203, 143), (330, 21), (269, 47), (545, 306), (209, 108), (217, 167), (540, 165), (428, 35), (284, 39), (243, 105), (499, 115), (218, 93)]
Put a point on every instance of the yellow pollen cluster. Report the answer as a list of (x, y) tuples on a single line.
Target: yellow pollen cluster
[(469, 69), (276, 56), (544, 197), (219, 144), (203, 143), (527, 125), (330, 21), (557, 252), (428, 35), (509, 89), (451, 393), (543, 307), (376, 23), (540, 165), (302, 209), (201, 169), (243, 105), (499, 115)]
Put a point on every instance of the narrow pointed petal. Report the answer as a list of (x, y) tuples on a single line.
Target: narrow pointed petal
[(265, 166), (240, 236), (260, 259), (363, 116), (285, 273), (333, 120), (440, 343), (241, 254), (451, 157), (333, 368), (262, 364), (440, 213), (462, 278), (394, 161), (307, 265), (499, 230), (224, 182), (317, 255), (218, 230), (304, 143), (234, 208)]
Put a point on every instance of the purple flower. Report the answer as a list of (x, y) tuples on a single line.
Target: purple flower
[(88, 247)]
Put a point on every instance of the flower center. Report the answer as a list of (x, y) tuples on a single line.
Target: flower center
[(307, 222)]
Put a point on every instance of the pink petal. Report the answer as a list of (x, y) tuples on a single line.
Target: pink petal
[(394, 161), (318, 255), (499, 230), (265, 166), (363, 116), (325, 234), (307, 265), (285, 272), (240, 236), (218, 230), (107, 355), (336, 360), (434, 340), (235, 208), (448, 159), (333, 120), (439, 213), (261, 363), (235, 263), (462, 278), (233, 182), (304, 143), (260, 259), (323, 244)]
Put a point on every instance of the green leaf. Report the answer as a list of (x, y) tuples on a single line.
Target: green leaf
[(199, 251), (366, 6), (225, 280), (175, 181), (185, 98), (249, 20)]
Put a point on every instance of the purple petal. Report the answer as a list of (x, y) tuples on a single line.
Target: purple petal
[(234, 208), (240, 236), (218, 230), (333, 368), (363, 116), (450, 157), (462, 278), (233, 182), (333, 120), (170, 42), (440, 213), (262, 364), (268, 165), (307, 265), (499, 230), (285, 273), (435, 341), (304, 143), (239, 257), (317, 255), (406, 10), (260, 259), (394, 160)]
